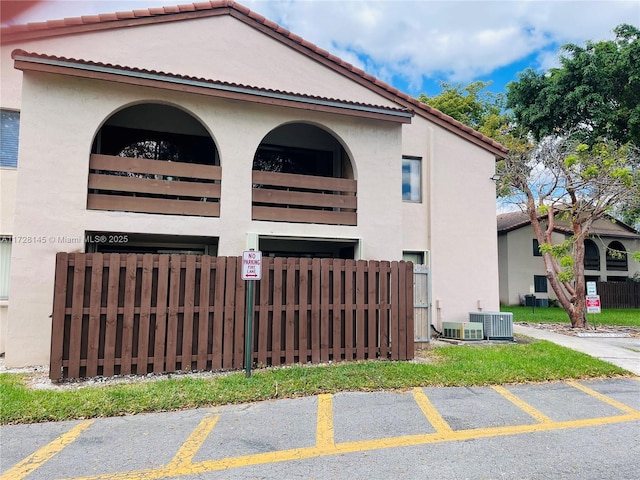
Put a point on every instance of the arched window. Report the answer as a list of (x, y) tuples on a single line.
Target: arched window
[(154, 158), (617, 257), (302, 174), (591, 255)]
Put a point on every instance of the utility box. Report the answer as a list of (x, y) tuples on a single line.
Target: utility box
[(497, 325), (462, 330)]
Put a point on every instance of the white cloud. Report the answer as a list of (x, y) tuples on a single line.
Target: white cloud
[(454, 40), (458, 40)]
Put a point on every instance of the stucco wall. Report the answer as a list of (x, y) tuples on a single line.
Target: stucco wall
[(8, 181), (463, 226), (455, 220), (518, 265), (181, 47), (60, 116)]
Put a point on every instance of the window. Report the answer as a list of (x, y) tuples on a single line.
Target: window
[(411, 179), (113, 242), (9, 132), (540, 284), (591, 255), (617, 257), (416, 257), (5, 264), (536, 248), (307, 248)]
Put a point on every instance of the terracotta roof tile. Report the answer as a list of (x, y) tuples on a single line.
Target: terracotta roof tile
[(125, 15), (91, 19), (58, 27), (108, 17), (142, 13), (75, 61)]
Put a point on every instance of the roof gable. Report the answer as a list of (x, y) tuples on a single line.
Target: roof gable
[(606, 226), (169, 81), (80, 25)]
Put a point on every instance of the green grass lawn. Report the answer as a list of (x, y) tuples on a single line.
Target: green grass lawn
[(613, 316), (444, 366)]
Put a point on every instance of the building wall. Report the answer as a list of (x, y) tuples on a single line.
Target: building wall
[(463, 226), (180, 47), (518, 265), (455, 221), (60, 117), (8, 181)]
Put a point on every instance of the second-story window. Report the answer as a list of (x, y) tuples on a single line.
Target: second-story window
[(411, 179)]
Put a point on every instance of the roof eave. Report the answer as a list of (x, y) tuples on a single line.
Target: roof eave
[(259, 22), (116, 74)]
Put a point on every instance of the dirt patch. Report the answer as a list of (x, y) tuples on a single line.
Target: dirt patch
[(37, 378), (567, 329)]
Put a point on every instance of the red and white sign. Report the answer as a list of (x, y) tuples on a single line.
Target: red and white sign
[(593, 303), (251, 265)]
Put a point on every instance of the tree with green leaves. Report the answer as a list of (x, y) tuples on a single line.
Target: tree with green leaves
[(573, 134), (472, 105), (561, 180), (594, 92)]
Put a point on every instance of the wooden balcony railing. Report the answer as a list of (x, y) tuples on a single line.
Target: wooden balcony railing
[(285, 197), (153, 186)]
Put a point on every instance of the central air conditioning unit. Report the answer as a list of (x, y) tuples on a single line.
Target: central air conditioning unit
[(462, 330), (497, 325)]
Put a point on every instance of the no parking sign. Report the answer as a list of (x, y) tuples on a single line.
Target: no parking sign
[(251, 265)]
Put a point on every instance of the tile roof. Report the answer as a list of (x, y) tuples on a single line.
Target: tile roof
[(69, 26), (511, 221), (235, 90), (514, 220)]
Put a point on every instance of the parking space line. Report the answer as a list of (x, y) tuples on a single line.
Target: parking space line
[(191, 446), (324, 432), (603, 398), (34, 461), (206, 466), (522, 405), (182, 463), (433, 416)]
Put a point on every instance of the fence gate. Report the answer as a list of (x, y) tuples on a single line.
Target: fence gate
[(422, 302), (136, 314)]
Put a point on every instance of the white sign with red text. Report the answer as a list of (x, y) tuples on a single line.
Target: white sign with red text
[(251, 265), (593, 303)]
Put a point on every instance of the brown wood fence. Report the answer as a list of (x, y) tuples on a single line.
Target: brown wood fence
[(619, 294), (135, 314)]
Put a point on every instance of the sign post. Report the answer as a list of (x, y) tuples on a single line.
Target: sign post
[(251, 271)]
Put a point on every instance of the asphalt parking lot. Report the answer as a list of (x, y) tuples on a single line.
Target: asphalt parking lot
[(586, 430)]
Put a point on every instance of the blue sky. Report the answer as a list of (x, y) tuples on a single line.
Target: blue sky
[(414, 44)]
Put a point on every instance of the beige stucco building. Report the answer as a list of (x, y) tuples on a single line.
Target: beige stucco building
[(522, 270), (227, 97)]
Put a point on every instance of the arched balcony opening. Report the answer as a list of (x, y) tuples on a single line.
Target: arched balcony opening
[(617, 257), (591, 255), (154, 158), (302, 174)]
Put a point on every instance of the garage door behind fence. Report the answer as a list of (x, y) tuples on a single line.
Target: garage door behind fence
[(136, 314)]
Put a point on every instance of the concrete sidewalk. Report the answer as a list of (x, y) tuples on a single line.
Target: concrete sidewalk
[(623, 352)]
